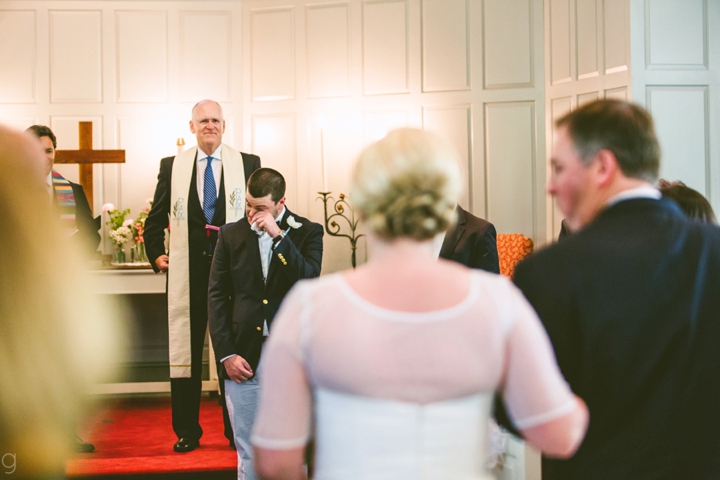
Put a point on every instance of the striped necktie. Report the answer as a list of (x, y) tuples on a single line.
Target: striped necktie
[(209, 192)]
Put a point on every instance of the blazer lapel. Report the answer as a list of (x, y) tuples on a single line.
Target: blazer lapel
[(284, 227), (453, 236)]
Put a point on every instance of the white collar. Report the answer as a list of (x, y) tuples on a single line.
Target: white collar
[(632, 193), (216, 154)]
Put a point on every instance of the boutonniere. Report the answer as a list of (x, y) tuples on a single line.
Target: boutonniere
[(291, 221)]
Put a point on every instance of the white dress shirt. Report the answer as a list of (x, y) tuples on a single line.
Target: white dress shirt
[(216, 166)]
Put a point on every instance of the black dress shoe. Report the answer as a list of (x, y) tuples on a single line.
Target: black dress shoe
[(184, 445), (83, 447)]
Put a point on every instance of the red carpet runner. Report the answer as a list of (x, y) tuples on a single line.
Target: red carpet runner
[(134, 437)]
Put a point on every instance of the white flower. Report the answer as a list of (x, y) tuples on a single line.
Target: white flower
[(120, 235), (149, 200), (128, 222), (107, 207), (291, 221)]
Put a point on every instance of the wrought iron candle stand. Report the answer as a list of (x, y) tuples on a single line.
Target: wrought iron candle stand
[(340, 208)]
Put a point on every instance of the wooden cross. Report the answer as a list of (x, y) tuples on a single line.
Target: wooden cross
[(85, 156)]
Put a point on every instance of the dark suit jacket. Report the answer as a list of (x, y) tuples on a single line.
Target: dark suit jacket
[(87, 235), (238, 299), (473, 243), (632, 306)]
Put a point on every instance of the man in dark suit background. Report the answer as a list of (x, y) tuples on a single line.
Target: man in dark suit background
[(630, 302), (192, 191), (85, 229), (77, 216), (472, 242), (257, 260)]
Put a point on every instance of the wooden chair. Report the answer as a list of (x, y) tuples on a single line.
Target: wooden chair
[(512, 247)]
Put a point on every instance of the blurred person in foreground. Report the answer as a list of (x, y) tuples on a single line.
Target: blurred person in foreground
[(396, 362), (57, 338), (691, 201), (630, 302)]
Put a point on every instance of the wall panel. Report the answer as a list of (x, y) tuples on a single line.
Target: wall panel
[(445, 47), (146, 140), (205, 72), (385, 47), (676, 33), (272, 44), (328, 50), (75, 56), (618, 93), (584, 98), (508, 37), (615, 38), (586, 53), (559, 53), (17, 64), (454, 123), (684, 144), (510, 159), (274, 140), (377, 123), (142, 60)]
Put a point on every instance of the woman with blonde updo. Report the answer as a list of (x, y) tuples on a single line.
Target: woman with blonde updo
[(393, 365)]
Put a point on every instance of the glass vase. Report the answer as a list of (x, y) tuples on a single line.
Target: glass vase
[(141, 255), (120, 255)]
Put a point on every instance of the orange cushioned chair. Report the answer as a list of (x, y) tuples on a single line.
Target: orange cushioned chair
[(512, 247)]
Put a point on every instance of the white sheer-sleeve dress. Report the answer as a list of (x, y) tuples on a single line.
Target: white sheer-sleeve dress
[(400, 395)]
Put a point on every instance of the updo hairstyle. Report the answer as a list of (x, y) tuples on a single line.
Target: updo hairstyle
[(407, 185)]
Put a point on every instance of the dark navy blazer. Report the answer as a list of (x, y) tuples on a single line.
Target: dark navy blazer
[(632, 306)]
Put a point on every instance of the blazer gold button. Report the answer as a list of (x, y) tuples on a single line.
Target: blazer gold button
[(259, 329), (265, 301)]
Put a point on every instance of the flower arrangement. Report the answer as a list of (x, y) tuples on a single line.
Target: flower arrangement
[(122, 229), (119, 229), (138, 230)]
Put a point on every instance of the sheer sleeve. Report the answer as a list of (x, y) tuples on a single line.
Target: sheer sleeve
[(535, 391), (284, 415)]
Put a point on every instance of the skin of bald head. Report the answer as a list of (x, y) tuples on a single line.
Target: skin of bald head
[(208, 125)]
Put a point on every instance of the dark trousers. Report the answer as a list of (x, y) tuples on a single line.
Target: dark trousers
[(185, 392)]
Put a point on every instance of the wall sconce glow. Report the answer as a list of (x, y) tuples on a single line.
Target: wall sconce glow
[(265, 135), (377, 133)]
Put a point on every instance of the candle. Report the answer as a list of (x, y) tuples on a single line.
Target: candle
[(180, 144), (322, 160)]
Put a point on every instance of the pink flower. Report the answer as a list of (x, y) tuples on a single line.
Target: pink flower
[(108, 207)]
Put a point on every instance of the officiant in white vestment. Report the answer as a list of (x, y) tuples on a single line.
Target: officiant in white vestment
[(201, 188)]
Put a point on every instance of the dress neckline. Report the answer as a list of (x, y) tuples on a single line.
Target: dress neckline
[(404, 315)]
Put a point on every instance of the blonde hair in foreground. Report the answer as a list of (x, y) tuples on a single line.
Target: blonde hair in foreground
[(407, 185), (57, 338)]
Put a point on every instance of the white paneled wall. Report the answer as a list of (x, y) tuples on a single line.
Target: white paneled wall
[(304, 84), (337, 75), (587, 57), (134, 69), (676, 75)]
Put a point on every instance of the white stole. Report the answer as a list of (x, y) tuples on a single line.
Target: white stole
[(179, 270)]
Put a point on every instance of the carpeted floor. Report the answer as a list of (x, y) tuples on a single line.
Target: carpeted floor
[(134, 437)]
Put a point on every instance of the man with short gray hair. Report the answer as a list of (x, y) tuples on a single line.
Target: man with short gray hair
[(630, 302)]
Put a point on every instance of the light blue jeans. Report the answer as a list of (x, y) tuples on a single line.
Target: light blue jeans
[(242, 404)]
